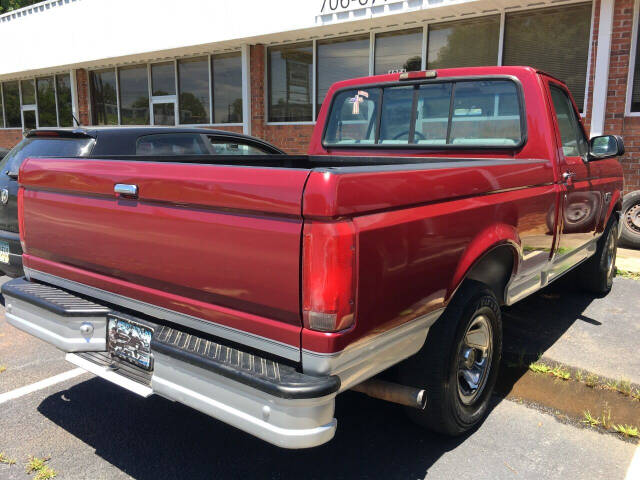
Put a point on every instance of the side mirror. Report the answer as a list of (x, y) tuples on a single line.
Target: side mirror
[(606, 146)]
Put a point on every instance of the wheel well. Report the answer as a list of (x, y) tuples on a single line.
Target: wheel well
[(494, 269)]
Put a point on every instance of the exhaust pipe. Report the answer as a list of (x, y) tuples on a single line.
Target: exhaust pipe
[(393, 392)]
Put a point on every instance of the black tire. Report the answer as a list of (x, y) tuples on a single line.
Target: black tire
[(596, 274), (436, 366), (630, 220)]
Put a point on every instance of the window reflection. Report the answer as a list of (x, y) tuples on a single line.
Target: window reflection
[(164, 114), (193, 84), (12, 105), (227, 88), (398, 51), (104, 105), (134, 95), (290, 72), (28, 88), (340, 59), (63, 85), (163, 79), (466, 43), (46, 102)]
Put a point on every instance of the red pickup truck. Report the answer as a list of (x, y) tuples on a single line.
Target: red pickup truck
[(257, 288)]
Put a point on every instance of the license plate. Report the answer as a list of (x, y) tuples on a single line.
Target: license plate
[(4, 252), (130, 341)]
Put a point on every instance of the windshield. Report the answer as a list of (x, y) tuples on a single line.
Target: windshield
[(45, 147)]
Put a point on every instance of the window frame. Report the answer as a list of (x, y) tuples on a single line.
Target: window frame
[(174, 99), (408, 146), (632, 61), (33, 107)]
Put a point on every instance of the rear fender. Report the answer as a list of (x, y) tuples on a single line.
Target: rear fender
[(486, 244)]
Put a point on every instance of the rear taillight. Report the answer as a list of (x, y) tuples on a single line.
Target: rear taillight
[(328, 283), (21, 216)]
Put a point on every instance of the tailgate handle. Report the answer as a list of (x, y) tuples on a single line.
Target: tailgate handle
[(126, 189)]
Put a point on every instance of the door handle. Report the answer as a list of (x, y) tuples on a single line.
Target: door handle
[(568, 177), (126, 189)]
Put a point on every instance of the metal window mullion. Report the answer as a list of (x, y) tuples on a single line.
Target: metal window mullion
[(118, 95), (425, 40), (20, 101), (176, 105), (210, 89), (501, 38), (372, 53), (150, 93), (314, 81), (55, 94), (35, 94), (4, 123)]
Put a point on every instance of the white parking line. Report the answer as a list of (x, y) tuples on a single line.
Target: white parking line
[(633, 472), (34, 387)]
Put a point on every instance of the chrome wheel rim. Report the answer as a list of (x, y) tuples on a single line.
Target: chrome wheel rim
[(474, 359)]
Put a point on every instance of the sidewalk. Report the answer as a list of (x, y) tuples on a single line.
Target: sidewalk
[(628, 260)]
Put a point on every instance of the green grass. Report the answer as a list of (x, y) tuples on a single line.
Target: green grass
[(7, 460), (628, 274), (590, 419), (627, 430), (40, 467), (558, 371)]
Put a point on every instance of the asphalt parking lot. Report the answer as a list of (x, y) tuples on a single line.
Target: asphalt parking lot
[(92, 429)]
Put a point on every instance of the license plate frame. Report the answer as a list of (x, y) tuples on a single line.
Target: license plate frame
[(129, 340), (4, 252)]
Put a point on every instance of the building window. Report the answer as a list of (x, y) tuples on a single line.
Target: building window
[(134, 95), (634, 87), (555, 40), (1, 107), (63, 94), (104, 98), (397, 51), (47, 116), (290, 79), (163, 93), (466, 43), (226, 75), (340, 59), (193, 88), (11, 93)]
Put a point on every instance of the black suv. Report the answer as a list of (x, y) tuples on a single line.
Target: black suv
[(105, 142)]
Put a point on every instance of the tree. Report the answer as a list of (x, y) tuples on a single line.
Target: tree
[(8, 5)]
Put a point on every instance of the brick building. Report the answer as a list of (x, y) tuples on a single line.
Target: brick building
[(263, 66)]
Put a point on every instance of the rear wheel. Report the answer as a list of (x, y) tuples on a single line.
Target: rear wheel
[(630, 220), (596, 274), (458, 364)]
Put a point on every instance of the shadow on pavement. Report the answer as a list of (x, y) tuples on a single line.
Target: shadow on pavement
[(155, 438)]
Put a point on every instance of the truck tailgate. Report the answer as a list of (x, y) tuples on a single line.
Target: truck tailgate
[(202, 242)]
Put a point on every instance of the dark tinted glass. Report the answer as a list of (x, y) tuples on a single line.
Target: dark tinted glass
[(573, 141), (171, 144), (164, 114), (290, 78), (1, 110), (398, 51), (193, 78), (163, 79), (341, 59), (555, 40), (395, 123), (28, 88), (227, 88), (466, 43), (29, 119), (46, 102), (40, 147), (230, 147), (11, 105), (353, 117), (104, 102), (65, 116), (134, 95)]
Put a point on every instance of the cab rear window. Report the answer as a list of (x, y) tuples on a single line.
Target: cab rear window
[(466, 113)]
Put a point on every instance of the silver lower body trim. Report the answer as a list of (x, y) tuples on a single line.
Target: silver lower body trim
[(255, 341), (370, 356)]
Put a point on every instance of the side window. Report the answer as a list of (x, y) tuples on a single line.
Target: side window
[(353, 117), (171, 144), (574, 143), (432, 114), (234, 147), (395, 124)]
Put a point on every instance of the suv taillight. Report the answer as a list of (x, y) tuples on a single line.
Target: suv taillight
[(328, 279), (21, 216)]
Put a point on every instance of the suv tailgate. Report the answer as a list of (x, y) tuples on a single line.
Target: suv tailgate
[(211, 247)]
